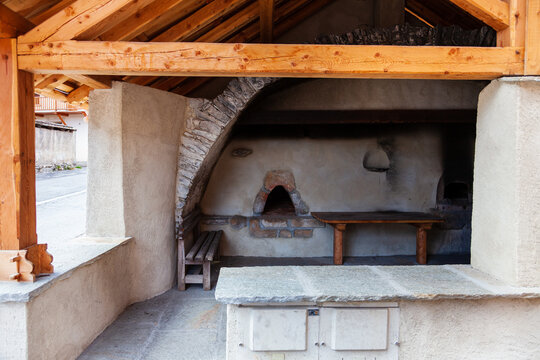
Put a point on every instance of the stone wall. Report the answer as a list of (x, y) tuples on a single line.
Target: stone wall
[(55, 145)]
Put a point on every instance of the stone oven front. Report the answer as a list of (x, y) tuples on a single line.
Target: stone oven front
[(343, 145)]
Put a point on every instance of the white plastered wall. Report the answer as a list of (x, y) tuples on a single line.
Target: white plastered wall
[(133, 151), (506, 203)]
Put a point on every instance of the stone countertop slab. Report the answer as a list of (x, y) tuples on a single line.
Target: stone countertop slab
[(318, 284), (67, 257)]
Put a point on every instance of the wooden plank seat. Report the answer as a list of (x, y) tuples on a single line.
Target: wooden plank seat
[(202, 253)]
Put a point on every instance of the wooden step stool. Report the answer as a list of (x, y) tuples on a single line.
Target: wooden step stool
[(204, 251)]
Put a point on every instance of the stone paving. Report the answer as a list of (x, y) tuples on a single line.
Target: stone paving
[(177, 325)]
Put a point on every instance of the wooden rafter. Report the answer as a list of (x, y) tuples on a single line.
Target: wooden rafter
[(286, 16), (107, 23), (266, 20), (156, 11), (12, 24), (95, 82), (41, 17), (279, 60), (74, 20), (495, 13), (198, 20)]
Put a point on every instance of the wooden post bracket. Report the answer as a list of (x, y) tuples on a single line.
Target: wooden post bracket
[(26, 264)]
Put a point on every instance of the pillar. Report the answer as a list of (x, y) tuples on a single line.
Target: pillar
[(20, 256), (506, 201)]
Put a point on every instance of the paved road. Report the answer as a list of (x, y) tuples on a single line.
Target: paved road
[(61, 205)]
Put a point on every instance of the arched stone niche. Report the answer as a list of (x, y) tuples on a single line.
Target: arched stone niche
[(209, 122), (274, 179)]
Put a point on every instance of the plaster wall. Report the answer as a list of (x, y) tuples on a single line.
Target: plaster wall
[(61, 320), (337, 17), (505, 229), (134, 137), (470, 329), (370, 94), (79, 122), (67, 317), (54, 146), (13, 326), (330, 176), (329, 172)]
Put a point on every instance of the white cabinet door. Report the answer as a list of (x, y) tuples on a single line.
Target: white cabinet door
[(359, 333), (272, 333)]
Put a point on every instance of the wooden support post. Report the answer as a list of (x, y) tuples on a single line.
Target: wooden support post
[(206, 275), (421, 243), (266, 8), (532, 41), (514, 34), (339, 229), (21, 257)]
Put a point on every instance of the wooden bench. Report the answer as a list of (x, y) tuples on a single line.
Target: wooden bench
[(202, 253)]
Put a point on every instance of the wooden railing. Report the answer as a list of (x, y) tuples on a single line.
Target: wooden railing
[(45, 104)]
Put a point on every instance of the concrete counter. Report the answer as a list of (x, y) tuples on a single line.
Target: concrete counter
[(319, 284)]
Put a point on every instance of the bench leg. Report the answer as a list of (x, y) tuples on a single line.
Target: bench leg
[(421, 244), (181, 266), (338, 243), (206, 275)]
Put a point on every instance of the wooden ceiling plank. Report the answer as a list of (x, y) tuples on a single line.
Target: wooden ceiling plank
[(13, 23), (137, 24), (234, 24), (266, 21), (73, 20), (495, 13), (95, 82), (532, 41), (188, 26), (270, 60), (41, 17), (115, 18), (199, 19), (28, 8)]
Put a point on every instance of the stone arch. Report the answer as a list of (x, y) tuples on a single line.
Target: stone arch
[(209, 122), (285, 179)]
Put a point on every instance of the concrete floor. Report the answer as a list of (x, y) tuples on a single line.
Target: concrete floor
[(177, 325), (191, 324)]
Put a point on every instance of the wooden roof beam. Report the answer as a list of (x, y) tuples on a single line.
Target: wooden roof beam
[(495, 13), (95, 82), (270, 60), (199, 20), (12, 24), (266, 21), (74, 20), (135, 25)]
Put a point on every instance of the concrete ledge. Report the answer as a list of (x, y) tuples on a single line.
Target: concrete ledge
[(318, 284), (58, 316), (68, 257)]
